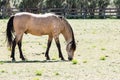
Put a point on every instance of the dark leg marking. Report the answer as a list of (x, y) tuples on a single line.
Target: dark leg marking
[(20, 50), (13, 50), (59, 49), (48, 47)]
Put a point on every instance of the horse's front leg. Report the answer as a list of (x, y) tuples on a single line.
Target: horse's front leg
[(13, 50), (59, 48), (48, 47), (20, 50)]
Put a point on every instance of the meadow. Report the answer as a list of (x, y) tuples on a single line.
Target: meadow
[(97, 56)]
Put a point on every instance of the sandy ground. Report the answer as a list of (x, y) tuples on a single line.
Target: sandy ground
[(98, 54)]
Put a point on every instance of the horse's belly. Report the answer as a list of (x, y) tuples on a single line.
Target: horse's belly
[(38, 32)]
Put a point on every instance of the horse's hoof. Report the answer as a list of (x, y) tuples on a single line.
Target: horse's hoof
[(47, 58), (23, 59), (63, 59), (70, 59), (13, 60)]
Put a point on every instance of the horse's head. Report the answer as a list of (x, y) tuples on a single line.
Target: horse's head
[(71, 47)]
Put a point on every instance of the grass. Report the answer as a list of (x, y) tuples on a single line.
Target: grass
[(54, 58), (103, 49), (3, 71), (36, 78), (74, 61), (95, 39), (56, 73), (44, 46), (85, 61), (14, 72), (1, 62), (9, 49), (102, 58), (38, 73), (94, 46)]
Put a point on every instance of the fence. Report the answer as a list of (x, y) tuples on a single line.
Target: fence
[(69, 13), (87, 13)]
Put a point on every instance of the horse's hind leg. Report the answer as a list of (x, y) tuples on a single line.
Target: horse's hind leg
[(13, 50), (48, 47), (59, 48), (18, 41), (20, 50)]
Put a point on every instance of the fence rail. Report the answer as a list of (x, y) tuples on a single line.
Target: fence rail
[(73, 13)]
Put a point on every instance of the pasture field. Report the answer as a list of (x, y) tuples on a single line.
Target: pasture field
[(97, 56)]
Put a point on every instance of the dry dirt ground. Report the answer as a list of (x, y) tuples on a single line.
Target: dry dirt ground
[(97, 54)]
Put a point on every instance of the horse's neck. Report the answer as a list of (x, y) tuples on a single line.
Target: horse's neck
[(67, 33)]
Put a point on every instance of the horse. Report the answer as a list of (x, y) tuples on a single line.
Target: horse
[(40, 24)]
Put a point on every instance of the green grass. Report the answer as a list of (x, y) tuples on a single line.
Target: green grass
[(94, 46), (14, 72), (36, 78), (85, 61), (103, 58), (9, 49), (103, 49), (1, 62), (54, 58), (38, 73), (74, 61), (56, 73), (44, 46), (3, 71)]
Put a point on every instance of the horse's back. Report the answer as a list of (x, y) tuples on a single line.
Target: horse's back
[(37, 24)]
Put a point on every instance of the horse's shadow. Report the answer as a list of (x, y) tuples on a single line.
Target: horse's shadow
[(35, 61)]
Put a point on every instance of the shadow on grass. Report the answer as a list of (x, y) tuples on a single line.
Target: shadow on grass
[(34, 61)]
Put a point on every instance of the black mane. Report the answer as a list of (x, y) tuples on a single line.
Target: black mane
[(73, 46)]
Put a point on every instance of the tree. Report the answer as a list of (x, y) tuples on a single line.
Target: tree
[(92, 4), (117, 4), (5, 8), (53, 3), (102, 4), (25, 5)]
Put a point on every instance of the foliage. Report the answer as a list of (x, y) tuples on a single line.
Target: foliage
[(92, 5), (53, 3), (86, 6), (29, 4), (5, 8), (117, 4), (102, 4)]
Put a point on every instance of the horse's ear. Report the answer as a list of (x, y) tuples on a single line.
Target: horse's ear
[(61, 17)]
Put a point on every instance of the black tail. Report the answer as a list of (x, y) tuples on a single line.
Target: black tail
[(9, 31)]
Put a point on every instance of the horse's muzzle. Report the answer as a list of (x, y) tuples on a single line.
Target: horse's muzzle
[(70, 58)]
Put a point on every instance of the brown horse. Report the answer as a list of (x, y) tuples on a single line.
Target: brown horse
[(36, 24)]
